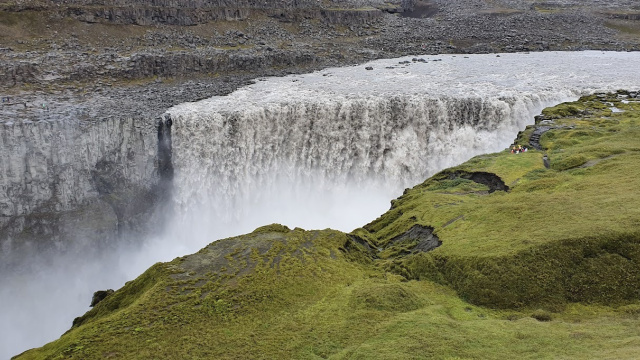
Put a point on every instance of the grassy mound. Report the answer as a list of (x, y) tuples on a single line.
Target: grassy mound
[(498, 257)]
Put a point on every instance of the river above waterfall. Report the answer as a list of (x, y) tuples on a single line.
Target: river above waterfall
[(327, 149), (460, 76)]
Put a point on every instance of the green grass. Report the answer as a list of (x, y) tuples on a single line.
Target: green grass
[(547, 270), (327, 306), (543, 204), (330, 307)]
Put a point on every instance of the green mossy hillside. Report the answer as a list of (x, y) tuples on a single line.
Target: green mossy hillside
[(567, 233), (197, 301), (499, 257), (319, 295)]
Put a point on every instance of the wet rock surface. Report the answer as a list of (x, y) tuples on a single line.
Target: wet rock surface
[(534, 140)]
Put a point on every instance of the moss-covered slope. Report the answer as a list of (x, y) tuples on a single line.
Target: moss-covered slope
[(499, 257), (553, 235)]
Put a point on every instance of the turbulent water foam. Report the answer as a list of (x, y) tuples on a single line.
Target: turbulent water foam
[(397, 139), (380, 126), (324, 149), (376, 145)]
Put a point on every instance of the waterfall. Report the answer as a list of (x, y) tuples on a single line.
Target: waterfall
[(377, 127), (327, 149), (233, 158)]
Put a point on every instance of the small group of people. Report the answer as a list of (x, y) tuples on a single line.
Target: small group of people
[(6, 99), (518, 149)]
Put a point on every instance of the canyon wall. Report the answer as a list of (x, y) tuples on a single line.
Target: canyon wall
[(66, 182), (392, 122), (334, 145), (189, 13)]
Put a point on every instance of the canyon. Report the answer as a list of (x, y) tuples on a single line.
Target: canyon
[(104, 147)]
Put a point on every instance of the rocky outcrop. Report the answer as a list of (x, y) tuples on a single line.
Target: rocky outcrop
[(534, 140), (155, 15), (212, 61), (632, 15), (99, 296), (156, 63), (19, 72), (194, 4), (190, 17), (423, 236), (490, 180), (267, 36)]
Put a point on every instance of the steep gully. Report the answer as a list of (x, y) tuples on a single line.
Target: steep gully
[(324, 149)]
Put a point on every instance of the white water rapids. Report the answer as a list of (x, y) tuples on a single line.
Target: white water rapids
[(328, 149)]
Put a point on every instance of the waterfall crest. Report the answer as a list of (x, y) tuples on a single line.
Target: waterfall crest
[(393, 142)]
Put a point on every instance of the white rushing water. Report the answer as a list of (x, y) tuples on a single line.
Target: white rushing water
[(328, 149), (365, 133)]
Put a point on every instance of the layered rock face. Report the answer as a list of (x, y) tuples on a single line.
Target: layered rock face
[(393, 125), (188, 13), (66, 182), (213, 38), (313, 130)]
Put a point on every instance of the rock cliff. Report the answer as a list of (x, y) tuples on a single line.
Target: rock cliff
[(63, 179), (190, 13)]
